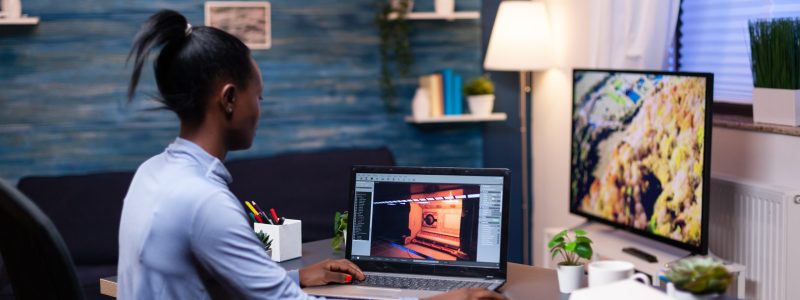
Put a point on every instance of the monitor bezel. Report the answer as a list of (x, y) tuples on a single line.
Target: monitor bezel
[(449, 270), (701, 249)]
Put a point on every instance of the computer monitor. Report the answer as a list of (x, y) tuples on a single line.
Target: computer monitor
[(421, 219), (640, 152)]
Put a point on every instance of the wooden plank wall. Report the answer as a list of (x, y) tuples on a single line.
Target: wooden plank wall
[(62, 87)]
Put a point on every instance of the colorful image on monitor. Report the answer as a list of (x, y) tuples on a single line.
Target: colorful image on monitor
[(638, 151), (425, 221)]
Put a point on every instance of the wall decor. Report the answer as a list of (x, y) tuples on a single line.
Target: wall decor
[(249, 21)]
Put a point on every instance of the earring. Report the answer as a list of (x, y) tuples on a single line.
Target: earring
[(230, 109)]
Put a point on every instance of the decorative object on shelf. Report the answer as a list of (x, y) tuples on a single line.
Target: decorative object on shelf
[(572, 249), (394, 45), (697, 278), (480, 96), (247, 20), (266, 241), (775, 61), (420, 105), (339, 241), (520, 42), (10, 9), (444, 7)]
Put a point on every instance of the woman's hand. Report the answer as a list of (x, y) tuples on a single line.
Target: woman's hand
[(468, 294), (330, 271)]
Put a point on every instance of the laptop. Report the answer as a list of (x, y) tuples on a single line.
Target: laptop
[(419, 232)]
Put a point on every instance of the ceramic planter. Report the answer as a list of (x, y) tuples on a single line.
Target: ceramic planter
[(570, 278), (481, 105), (674, 292), (776, 106)]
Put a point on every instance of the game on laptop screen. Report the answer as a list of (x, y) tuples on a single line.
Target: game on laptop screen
[(428, 219)]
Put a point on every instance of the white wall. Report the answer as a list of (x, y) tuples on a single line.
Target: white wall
[(760, 157)]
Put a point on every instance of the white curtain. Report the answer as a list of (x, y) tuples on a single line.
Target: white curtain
[(631, 34)]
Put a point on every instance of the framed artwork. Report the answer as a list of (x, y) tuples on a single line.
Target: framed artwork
[(247, 20)]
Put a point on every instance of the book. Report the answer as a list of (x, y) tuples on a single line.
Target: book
[(458, 98), (433, 83), (447, 82)]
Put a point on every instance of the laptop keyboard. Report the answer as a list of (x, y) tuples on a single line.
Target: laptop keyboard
[(420, 283)]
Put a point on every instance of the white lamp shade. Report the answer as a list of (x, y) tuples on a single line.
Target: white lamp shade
[(521, 39)]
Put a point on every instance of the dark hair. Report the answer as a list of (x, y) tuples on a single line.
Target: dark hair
[(191, 62)]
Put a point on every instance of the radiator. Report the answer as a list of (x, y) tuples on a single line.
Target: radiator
[(753, 224)]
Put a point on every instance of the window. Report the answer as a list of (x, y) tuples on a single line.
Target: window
[(714, 38)]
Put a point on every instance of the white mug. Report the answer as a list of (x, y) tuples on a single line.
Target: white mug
[(608, 271)]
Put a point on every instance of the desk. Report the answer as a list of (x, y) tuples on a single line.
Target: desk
[(524, 282)]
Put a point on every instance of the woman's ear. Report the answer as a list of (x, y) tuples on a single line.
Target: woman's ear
[(228, 98)]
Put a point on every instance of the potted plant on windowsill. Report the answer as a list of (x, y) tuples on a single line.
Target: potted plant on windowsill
[(775, 61), (572, 247), (697, 278), (480, 96)]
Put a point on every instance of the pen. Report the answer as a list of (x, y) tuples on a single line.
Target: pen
[(252, 218), (252, 209), (274, 216), (261, 212)]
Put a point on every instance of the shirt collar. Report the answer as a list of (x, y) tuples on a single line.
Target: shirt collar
[(213, 166)]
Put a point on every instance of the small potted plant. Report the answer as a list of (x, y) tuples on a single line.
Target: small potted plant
[(775, 61), (480, 96), (697, 278), (266, 241), (571, 247), (339, 231)]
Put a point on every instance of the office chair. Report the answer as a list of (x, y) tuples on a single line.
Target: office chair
[(36, 259)]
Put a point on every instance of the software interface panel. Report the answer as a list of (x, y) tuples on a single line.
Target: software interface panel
[(433, 219)]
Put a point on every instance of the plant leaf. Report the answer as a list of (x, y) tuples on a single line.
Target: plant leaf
[(555, 241), (584, 251), (583, 240), (570, 246), (580, 232)]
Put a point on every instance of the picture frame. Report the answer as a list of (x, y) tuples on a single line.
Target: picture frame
[(250, 21)]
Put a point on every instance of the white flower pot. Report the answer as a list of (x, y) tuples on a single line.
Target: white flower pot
[(570, 278), (481, 105), (776, 106), (673, 292), (444, 7)]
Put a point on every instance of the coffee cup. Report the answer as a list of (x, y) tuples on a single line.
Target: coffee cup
[(608, 271)]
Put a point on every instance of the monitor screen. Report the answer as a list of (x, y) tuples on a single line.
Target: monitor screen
[(640, 152), (442, 220)]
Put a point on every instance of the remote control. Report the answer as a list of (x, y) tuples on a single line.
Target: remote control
[(640, 254)]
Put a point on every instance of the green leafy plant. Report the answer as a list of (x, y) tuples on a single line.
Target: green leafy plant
[(699, 275), (479, 86), (775, 53), (394, 47), (572, 247), (265, 240), (339, 226)]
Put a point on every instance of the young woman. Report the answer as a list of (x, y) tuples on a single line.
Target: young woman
[(183, 234)]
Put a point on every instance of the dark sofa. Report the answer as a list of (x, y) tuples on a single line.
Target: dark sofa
[(86, 208)]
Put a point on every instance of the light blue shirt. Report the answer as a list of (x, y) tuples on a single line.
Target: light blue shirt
[(184, 235)]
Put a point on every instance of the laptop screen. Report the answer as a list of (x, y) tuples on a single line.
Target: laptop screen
[(427, 219)]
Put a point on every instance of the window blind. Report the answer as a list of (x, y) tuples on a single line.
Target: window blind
[(714, 38)]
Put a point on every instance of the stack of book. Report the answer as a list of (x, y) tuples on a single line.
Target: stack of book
[(444, 90)]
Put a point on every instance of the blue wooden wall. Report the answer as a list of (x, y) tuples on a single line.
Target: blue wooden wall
[(62, 87)]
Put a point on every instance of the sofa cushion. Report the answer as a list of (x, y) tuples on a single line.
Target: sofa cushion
[(308, 186), (86, 210)]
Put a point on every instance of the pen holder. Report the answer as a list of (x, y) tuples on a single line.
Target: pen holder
[(286, 239)]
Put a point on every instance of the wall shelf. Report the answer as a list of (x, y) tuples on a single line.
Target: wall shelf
[(21, 21), (457, 118), (458, 15)]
